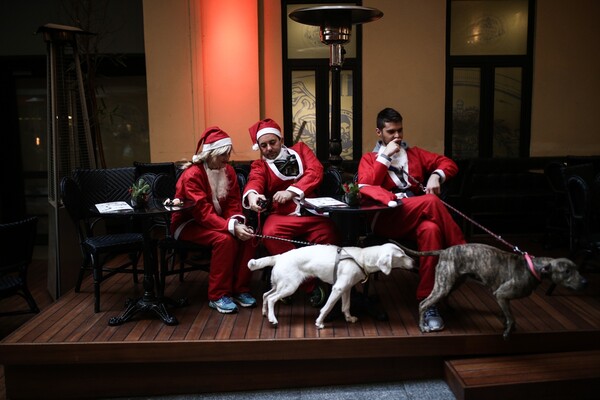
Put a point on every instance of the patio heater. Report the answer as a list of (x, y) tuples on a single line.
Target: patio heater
[(69, 146), (335, 26)]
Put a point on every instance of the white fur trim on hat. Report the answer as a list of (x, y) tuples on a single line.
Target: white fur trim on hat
[(215, 145), (267, 130)]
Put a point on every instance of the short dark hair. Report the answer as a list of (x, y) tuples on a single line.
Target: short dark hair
[(387, 115)]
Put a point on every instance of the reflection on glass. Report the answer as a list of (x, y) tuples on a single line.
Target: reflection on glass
[(304, 116), (488, 27), (31, 103), (123, 115), (346, 119), (304, 41), (507, 112), (465, 112)]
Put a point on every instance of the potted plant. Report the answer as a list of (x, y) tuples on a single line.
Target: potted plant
[(139, 193), (351, 194)]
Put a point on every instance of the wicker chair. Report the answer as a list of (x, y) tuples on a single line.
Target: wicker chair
[(17, 240), (99, 249)]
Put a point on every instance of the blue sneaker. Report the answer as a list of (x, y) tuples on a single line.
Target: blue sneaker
[(223, 305), (245, 300)]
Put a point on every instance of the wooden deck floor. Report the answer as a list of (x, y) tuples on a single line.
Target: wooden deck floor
[(69, 351)]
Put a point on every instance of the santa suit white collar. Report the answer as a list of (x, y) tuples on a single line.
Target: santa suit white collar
[(399, 163), (283, 154)]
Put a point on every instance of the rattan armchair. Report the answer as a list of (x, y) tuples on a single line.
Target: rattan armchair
[(17, 240), (100, 250)]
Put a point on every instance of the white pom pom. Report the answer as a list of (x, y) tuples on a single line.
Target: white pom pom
[(255, 146), (392, 203)]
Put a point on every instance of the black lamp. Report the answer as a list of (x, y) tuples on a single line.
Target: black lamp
[(335, 26)]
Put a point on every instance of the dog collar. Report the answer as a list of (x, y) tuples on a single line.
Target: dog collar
[(531, 267)]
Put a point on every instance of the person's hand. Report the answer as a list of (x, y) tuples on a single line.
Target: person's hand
[(392, 147), (283, 196), (243, 232), (433, 185), (254, 200)]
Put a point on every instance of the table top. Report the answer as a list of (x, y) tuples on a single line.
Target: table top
[(365, 206), (153, 207)]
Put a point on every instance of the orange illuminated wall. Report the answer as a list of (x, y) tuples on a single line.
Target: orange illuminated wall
[(229, 68)]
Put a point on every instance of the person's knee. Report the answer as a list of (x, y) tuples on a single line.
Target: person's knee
[(429, 236)]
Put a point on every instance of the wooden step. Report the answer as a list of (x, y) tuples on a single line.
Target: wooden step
[(569, 375)]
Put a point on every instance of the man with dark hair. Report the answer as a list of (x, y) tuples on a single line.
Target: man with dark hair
[(422, 217), (277, 182)]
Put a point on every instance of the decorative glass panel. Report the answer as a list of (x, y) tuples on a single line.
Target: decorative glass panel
[(304, 116), (466, 112), (346, 117), (488, 27), (303, 40), (507, 112)]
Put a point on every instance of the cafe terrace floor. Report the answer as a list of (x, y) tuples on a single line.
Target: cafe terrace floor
[(68, 351)]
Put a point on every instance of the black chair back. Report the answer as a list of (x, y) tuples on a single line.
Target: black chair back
[(17, 241)]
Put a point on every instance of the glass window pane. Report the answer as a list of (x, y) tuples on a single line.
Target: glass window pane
[(31, 99), (123, 116), (303, 108), (346, 119), (465, 112), (489, 27), (303, 40), (507, 112)]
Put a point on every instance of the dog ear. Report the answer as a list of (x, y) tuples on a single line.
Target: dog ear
[(546, 269), (385, 263)]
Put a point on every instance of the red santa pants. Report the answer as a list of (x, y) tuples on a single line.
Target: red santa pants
[(426, 220), (229, 273)]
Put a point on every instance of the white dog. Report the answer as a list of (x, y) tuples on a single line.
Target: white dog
[(354, 264)]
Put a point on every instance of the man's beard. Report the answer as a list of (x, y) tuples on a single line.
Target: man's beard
[(219, 184)]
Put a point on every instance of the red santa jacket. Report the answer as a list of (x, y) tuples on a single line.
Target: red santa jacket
[(374, 169), (194, 185), (265, 178)]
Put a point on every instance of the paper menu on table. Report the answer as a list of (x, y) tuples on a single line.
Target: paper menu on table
[(113, 206), (323, 202)]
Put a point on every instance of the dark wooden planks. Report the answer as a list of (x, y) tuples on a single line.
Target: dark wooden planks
[(573, 375)]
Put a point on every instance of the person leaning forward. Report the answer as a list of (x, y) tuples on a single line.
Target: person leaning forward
[(277, 182), (422, 217), (217, 220)]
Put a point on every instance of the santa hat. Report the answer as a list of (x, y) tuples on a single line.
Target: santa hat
[(212, 138), (261, 128), (379, 194)]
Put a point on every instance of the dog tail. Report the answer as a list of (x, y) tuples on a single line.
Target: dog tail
[(416, 253), (261, 263)]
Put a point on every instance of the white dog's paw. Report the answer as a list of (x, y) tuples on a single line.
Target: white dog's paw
[(351, 319), (319, 325)]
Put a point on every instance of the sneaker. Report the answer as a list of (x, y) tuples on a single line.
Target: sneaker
[(432, 320), (317, 296), (244, 300), (223, 305)]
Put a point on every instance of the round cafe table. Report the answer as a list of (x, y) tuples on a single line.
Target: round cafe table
[(148, 302)]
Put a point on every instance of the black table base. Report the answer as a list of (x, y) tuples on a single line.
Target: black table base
[(143, 304)]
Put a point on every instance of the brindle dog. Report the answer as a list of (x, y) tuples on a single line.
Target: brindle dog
[(506, 274)]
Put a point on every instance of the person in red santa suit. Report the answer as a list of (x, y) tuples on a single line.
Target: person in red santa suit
[(422, 216), (282, 178), (217, 220)]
